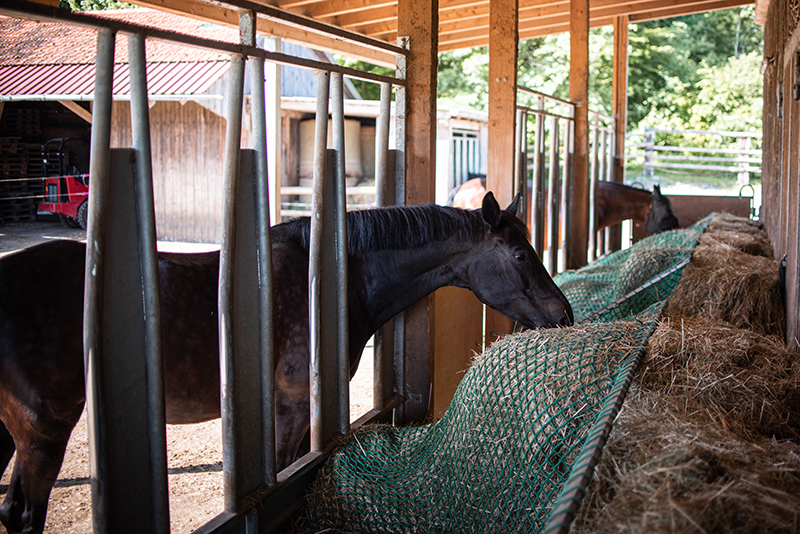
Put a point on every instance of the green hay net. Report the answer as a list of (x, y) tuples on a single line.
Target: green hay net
[(514, 451)]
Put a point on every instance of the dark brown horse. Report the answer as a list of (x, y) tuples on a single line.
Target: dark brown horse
[(615, 203), (396, 257)]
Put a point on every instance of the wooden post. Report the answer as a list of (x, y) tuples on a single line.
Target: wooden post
[(577, 242), (503, 46), (419, 22), (503, 42), (619, 109)]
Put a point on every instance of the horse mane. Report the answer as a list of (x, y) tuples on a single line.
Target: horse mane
[(398, 228), (617, 185)]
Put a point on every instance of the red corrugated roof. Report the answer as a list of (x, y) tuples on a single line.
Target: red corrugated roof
[(26, 42), (49, 59)]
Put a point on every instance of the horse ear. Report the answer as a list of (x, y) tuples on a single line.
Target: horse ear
[(491, 211), (657, 190), (514, 206)]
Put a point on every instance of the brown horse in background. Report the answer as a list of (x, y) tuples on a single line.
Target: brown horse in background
[(615, 203)]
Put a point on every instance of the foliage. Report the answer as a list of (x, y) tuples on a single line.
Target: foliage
[(93, 5), (697, 71)]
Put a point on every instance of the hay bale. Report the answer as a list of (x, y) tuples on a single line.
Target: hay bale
[(725, 284), (738, 232)]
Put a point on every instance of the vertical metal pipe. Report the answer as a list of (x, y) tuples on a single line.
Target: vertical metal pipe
[(315, 260), (593, 191), (343, 348), (520, 154), (384, 189), (569, 153), (94, 290), (552, 200), (605, 171), (537, 201), (146, 220), (226, 268), (264, 245)]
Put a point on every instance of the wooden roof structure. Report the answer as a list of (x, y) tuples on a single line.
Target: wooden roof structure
[(462, 23)]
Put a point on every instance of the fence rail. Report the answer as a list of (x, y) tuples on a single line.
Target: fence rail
[(743, 160)]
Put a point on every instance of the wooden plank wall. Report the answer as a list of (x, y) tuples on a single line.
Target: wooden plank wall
[(780, 209), (188, 144)]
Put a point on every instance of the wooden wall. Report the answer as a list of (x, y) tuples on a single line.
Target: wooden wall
[(781, 163), (188, 143)]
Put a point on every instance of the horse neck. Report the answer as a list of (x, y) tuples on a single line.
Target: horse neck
[(613, 208), (393, 280)]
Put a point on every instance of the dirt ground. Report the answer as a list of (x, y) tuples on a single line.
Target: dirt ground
[(194, 452)]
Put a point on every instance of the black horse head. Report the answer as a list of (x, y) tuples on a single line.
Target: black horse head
[(661, 218)]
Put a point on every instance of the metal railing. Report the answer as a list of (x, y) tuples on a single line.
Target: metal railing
[(601, 167), (544, 148), (127, 436)]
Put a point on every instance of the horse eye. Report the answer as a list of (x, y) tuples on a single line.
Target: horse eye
[(520, 256)]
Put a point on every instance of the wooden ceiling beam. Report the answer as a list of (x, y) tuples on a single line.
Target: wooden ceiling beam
[(377, 15), (337, 8), (689, 10), (229, 17)]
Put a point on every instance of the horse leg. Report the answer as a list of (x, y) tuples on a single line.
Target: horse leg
[(291, 424), (6, 448), (41, 438)]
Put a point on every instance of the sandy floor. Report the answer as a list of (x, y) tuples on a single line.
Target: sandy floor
[(194, 451)]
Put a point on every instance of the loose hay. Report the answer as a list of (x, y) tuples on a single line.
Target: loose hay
[(708, 438)]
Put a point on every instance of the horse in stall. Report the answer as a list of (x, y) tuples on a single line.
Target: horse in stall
[(615, 203), (396, 256)]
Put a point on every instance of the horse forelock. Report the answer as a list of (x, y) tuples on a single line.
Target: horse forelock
[(517, 225), (400, 228)]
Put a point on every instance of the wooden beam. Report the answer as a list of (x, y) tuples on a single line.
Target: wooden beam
[(503, 43), (229, 17), (619, 108), (551, 19), (418, 22), (691, 9), (77, 109), (578, 203)]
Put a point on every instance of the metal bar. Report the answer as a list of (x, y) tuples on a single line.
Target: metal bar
[(544, 95), (264, 246), (315, 254), (272, 79), (603, 174), (340, 243), (400, 113), (541, 113), (552, 201), (385, 197), (569, 153), (383, 346), (520, 163), (146, 220), (537, 201), (42, 12), (593, 177), (230, 460), (94, 289)]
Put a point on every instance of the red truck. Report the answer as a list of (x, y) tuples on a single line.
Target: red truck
[(66, 196), (66, 187)]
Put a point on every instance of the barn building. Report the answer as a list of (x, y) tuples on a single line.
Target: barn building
[(421, 353)]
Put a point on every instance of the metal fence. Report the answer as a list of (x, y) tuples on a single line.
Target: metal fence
[(127, 436), (545, 147)]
